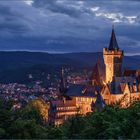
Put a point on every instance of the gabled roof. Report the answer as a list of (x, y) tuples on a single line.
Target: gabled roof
[(106, 89), (98, 74), (82, 90), (122, 87), (113, 45), (123, 84), (99, 103)]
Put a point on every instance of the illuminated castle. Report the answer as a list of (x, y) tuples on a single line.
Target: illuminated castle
[(108, 84)]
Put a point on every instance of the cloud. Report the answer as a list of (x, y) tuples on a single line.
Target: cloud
[(29, 2), (76, 8), (131, 19), (70, 8), (93, 9), (10, 23), (127, 41), (117, 17), (67, 25)]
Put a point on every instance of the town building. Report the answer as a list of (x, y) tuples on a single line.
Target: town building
[(108, 84)]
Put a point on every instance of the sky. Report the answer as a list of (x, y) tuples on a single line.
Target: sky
[(59, 26)]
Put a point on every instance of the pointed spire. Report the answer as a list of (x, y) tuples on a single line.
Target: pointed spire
[(62, 82), (95, 77), (62, 78), (113, 45)]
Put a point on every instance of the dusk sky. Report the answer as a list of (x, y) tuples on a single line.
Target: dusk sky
[(59, 26)]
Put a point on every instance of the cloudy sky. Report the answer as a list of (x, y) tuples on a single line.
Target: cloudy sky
[(59, 26)]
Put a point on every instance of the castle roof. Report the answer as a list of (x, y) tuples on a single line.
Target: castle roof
[(82, 90), (98, 73), (113, 45), (99, 103), (119, 84)]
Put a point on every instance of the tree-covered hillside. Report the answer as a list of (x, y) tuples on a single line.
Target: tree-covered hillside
[(16, 60), (16, 66), (110, 123)]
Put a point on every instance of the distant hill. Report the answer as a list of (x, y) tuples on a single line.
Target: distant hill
[(15, 65), (14, 60)]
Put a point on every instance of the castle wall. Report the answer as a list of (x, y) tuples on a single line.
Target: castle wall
[(68, 108), (84, 104)]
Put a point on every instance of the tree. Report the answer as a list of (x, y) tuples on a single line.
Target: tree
[(26, 129), (2, 133), (55, 133), (42, 108)]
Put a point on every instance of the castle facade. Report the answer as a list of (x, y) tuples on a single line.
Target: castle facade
[(109, 84)]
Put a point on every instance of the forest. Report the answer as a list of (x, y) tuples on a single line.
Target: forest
[(112, 122)]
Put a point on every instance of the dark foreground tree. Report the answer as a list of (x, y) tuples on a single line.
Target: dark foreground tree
[(112, 122)]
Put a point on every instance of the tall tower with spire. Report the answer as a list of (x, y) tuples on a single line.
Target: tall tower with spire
[(113, 57)]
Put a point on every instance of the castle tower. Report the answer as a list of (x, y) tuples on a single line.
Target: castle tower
[(113, 57)]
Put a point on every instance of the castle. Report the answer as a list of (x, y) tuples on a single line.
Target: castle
[(109, 84)]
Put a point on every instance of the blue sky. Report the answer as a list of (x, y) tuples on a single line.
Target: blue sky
[(69, 25)]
